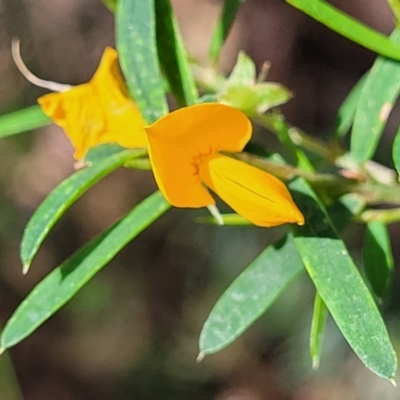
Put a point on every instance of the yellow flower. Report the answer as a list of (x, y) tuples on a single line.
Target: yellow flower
[(184, 151), (97, 112)]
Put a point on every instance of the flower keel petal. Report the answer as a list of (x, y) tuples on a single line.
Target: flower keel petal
[(254, 194)]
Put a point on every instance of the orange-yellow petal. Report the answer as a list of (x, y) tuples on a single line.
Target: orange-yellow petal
[(97, 112), (179, 141), (254, 194)]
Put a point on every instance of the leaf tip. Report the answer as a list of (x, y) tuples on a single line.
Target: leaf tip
[(200, 357), (392, 381), (315, 363), (25, 268), (2, 350)]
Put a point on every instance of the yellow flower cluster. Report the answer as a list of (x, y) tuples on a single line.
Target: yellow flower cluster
[(184, 146)]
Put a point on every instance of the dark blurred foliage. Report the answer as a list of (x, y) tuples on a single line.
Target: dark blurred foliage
[(132, 332)]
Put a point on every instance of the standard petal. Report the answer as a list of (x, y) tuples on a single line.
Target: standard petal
[(180, 141), (254, 194), (97, 112)]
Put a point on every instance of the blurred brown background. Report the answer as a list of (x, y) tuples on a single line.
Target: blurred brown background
[(132, 332)]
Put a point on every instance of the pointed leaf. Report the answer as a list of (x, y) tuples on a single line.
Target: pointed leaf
[(244, 72), (348, 27), (101, 152), (396, 151), (65, 281), (173, 55), (340, 285), (110, 4), (395, 6), (341, 213), (380, 91), (248, 297), (61, 198), (377, 257), (224, 25), (317, 330), (22, 121), (347, 110), (136, 43)]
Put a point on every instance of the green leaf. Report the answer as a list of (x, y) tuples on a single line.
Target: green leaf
[(9, 384), (340, 285), (208, 98), (137, 49), (110, 4), (377, 257), (225, 22), (380, 91), (348, 27), (103, 151), (317, 330), (23, 120), (242, 91), (61, 198), (173, 55), (257, 99), (342, 211), (244, 71), (348, 108), (395, 6), (252, 292), (396, 151), (65, 281)]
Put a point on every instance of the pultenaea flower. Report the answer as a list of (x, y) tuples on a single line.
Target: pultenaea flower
[(184, 148), (99, 111)]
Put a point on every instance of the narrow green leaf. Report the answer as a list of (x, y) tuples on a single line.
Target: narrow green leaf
[(9, 384), (340, 285), (342, 211), (23, 120), (66, 280), (380, 91), (317, 330), (395, 6), (225, 22), (347, 110), (377, 257), (110, 4), (396, 151), (173, 55), (341, 214), (102, 151), (61, 198), (137, 48), (247, 298), (348, 27)]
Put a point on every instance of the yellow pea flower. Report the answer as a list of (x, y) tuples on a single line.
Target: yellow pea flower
[(184, 151), (99, 111)]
